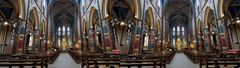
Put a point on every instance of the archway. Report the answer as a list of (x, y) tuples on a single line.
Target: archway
[(43, 35), (149, 31), (211, 28), (231, 13), (64, 30), (200, 35), (121, 18), (95, 30), (158, 36), (64, 26), (84, 40), (8, 17), (21, 9), (33, 31), (178, 15)]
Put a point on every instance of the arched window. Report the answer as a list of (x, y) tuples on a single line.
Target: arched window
[(68, 30), (183, 30), (59, 31), (63, 30), (174, 31), (178, 30)]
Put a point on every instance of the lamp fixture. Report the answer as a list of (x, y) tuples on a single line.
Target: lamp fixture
[(238, 20), (213, 33), (5, 23), (122, 23)]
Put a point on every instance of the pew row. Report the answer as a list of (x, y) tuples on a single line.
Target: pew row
[(217, 62), (23, 62)]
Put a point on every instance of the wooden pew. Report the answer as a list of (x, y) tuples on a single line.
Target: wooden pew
[(155, 59), (219, 61), (196, 56), (82, 57), (96, 59), (4, 56), (50, 56), (142, 62), (23, 62), (75, 55), (167, 56), (102, 61)]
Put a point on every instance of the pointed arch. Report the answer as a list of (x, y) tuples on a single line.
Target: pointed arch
[(83, 25), (93, 16), (149, 16), (2, 15), (105, 4), (159, 26), (208, 13), (221, 8), (34, 17), (43, 27), (21, 8), (136, 8), (199, 25)]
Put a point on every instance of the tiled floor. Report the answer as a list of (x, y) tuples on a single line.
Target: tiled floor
[(180, 60), (65, 61)]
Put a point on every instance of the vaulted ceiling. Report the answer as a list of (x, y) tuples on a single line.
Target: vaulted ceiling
[(231, 8), (178, 12), (121, 9), (9, 9), (63, 12), (63, 5)]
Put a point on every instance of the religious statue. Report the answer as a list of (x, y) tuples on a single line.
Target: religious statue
[(146, 39)]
